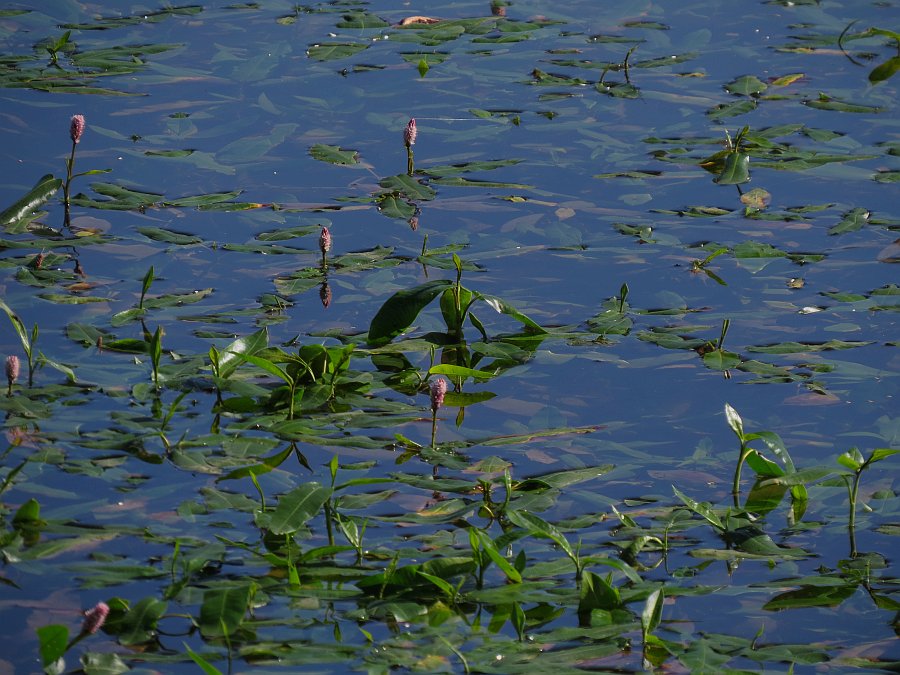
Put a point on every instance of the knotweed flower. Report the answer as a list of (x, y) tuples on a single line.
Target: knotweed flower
[(438, 390), (410, 133), (325, 240), (94, 618), (76, 128), (12, 370)]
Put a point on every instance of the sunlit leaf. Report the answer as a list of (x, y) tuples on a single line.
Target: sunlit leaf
[(334, 154), (38, 195), (401, 309), (331, 51), (298, 506)]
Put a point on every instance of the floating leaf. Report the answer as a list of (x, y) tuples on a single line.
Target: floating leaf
[(168, 236), (331, 51), (223, 609), (334, 154), (748, 85), (297, 506)]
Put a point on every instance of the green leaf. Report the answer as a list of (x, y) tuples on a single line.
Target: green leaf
[(232, 355), (853, 220), (736, 169), (168, 236), (720, 359), (880, 454), (138, 625), (445, 586), (39, 194), (538, 527), (223, 609), (852, 459), (651, 614), (298, 506), (362, 20), (53, 640), (702, 509), (331, 51), (885, 71), (205, 665), (459, 371), (762, 466), (401, 309), (811, 596), (746, 86), (28, 513), (333, 154), (596, 593), (407, 186), (512, 574), (391, 205), (734, 421), (504, 307)]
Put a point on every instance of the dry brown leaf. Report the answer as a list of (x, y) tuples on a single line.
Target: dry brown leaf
[(412, 20)]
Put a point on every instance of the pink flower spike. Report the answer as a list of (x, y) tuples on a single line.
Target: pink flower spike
[(438, 390), (76, 128), (94, 618), (410, 133), (12, 369), (325, 240)]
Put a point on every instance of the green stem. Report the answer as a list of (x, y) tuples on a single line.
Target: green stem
[(70, 165), (851, 525), (409, 160), (736, 485)]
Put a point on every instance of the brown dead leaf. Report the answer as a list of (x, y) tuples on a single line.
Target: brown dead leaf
[(412, 20)]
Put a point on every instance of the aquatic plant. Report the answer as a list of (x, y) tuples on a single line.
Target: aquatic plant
[(410, 133)]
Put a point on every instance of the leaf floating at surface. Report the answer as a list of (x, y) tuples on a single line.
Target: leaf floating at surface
[(334, 154), (407, 186), (825, 102), (853, 220), (747, 85), (168, 236), (332, 51)]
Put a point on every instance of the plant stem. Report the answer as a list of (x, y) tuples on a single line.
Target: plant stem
[(409, 161), (736, 485), (851, 523)]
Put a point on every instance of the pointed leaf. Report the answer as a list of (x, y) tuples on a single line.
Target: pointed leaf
[(223, 609), (401, 309), (39, 194), (298, 506), (701, 509)]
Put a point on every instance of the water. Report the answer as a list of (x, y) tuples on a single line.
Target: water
[(235, 102)]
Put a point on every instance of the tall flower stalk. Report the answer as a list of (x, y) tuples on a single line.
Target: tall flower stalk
[(12, 372), (438, 391), (409, 140), (76, 130), (324, 246)]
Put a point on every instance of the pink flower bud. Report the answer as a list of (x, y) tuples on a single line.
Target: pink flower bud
[(76, 128), (325, 240), (438, 389), (12, 369), (94, 618), (410, 133)]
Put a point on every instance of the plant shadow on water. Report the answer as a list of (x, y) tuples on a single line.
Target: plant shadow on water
[(503, 337)]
